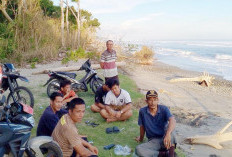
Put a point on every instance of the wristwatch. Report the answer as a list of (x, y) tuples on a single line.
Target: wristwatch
[(121, 112)]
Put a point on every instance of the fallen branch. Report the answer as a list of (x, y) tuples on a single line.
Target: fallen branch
[(74, 68), (205, 79), (212, 140)]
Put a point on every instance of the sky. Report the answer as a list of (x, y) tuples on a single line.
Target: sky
[(155, 20)]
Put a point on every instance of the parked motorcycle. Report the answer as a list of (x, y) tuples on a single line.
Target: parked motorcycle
[(16, 122), (90, 78), (9, 81)]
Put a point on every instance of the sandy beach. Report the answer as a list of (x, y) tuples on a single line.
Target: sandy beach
[(198, 110)]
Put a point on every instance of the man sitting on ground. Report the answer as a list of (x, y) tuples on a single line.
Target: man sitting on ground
[(100, 98), (66, 133), (51, 115), (118, 103), (65, 89), (158, 124)]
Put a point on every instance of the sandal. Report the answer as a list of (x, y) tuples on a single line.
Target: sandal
[(116, 129), (109, 130)]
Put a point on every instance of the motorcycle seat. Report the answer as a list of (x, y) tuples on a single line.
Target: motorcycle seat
[(72, 75)]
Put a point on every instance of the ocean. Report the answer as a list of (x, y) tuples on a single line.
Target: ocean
[(202, 56)]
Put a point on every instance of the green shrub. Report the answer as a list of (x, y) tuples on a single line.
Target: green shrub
[(33, 65)]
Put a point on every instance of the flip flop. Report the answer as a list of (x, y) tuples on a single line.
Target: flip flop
[(116, 129), (107, 147), (94, 124), (109, 130)]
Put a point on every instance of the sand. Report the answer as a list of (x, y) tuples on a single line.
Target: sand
[(198, 110)]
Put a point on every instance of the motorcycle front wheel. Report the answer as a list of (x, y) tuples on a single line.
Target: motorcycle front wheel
[(51, 149), (96, 83), (53, 86), (21, 94)]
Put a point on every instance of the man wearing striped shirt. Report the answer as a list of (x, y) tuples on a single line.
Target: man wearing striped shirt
[(108, 62)]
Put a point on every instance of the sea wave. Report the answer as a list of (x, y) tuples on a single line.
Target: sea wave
[(174, 51), (223, 57), (211, 44)]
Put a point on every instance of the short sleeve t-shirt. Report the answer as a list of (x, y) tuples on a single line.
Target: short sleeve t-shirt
[(100, 95), (122, 99), (109, 66), (154, 125), (71, 94), (66, 135)]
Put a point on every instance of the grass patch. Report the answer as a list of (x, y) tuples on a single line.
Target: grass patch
[(97, 134)]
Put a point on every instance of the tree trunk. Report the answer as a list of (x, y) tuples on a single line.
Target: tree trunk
[(67, 23), (79, 24), (62, 22), (3, 9), (74, 68)]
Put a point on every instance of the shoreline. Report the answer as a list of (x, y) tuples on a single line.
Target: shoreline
[(198, 110)]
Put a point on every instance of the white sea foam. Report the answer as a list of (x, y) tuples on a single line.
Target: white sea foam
[(223, 57), (174, 51)]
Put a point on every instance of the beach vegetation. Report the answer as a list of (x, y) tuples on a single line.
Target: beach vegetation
[(144, 56), (32, 29)]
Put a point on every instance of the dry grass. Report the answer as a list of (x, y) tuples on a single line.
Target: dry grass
[(144, 56)]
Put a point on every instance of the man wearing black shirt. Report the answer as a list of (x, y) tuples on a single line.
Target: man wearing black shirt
[(100, 98)]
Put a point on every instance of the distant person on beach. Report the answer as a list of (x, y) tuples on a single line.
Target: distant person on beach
[(118, 103), (65, 89), (100, 98), (108, 61), (66, 134), (158, 123), (51, 115)]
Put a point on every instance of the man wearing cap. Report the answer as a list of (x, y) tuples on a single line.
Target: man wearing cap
[(158, 123)]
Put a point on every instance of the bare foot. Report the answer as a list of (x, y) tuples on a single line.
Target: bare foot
[(108, 120)]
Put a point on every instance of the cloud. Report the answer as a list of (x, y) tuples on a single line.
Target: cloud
[(135, 22)]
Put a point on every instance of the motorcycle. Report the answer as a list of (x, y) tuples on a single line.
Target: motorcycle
[(8, 80), (90, 78), (16, 123)]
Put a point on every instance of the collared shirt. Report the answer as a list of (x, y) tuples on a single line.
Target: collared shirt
[(66, 135), (154, 125), (100, 95), (122, 99), (109, 66), (48, 121)]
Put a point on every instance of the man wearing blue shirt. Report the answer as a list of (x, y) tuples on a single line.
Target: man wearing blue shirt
[(158, 124), (51, 115)]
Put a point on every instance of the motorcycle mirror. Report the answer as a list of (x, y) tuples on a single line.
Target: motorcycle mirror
[(2, 101)]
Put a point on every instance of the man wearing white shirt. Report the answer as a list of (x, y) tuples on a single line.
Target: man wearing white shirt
[(118, 103)]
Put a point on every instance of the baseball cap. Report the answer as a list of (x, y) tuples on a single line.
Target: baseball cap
[(151, 93)]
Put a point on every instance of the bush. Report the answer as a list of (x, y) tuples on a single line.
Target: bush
[(145, 55), (75, 55)]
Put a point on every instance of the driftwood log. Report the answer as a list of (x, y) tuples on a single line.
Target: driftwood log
[(74, 68), (212, 140), (205, 79)]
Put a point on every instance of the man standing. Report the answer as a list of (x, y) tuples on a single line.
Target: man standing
[(51, 115), (158, 124), (66, 133), (118, 103), (108, 59)]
